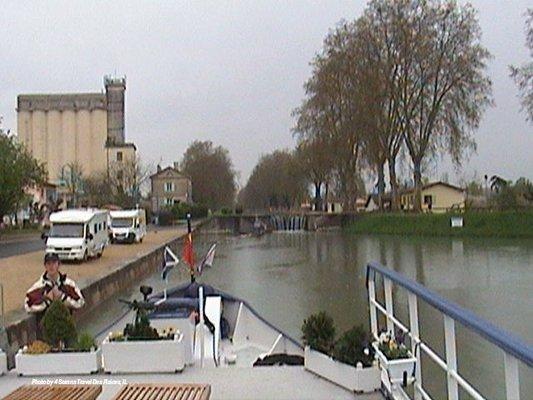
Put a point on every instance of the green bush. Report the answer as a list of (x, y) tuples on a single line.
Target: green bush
[(141, 329), (85, 342), (59, 329), (319, 332), (353, 347), (180, 211), (226, 211)]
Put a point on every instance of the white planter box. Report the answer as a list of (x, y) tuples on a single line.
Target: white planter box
[(356, 379), (3, 362), (71, 363), (144, 356), (396, 368)]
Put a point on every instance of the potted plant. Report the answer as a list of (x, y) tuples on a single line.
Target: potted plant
[(62, 351), (141, 348), (395, 359), (348, 362)]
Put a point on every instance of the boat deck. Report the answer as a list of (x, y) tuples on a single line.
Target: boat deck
[(226, 383)]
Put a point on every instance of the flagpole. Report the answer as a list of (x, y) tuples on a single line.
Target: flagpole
[(189, 233)]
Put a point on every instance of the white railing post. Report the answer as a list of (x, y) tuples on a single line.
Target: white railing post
[(201, 324), (451, 357), (388, 304), (415, 337), (512, 381), (371, 300)]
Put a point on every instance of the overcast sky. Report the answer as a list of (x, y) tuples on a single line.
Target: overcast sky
[(230, 72)]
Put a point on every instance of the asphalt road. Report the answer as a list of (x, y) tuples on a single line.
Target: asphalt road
[(13, 245)]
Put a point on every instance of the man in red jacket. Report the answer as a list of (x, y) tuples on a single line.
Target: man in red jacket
[(53, 285)]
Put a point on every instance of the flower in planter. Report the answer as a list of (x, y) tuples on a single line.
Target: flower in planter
[(116, 337), (393, 347), (319, 332), (38, 347)]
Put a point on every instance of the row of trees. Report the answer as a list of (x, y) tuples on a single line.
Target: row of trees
[(407, 77)]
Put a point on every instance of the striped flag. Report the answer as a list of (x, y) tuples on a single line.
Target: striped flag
[(207, 261), (169, 261)]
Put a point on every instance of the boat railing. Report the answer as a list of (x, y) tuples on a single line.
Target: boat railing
[(514, 349)]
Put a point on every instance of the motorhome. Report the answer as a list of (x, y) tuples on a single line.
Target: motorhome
[(77, 234), (127, 226)]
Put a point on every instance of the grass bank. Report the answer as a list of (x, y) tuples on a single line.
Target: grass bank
[(505, 224)]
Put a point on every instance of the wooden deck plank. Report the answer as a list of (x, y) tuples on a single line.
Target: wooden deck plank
[(164, 391), (55, 392)]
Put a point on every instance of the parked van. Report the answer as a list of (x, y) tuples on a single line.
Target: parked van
[(77, 234), (127, 226)]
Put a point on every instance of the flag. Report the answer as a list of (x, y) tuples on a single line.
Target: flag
[(207, 261), (169, 261), (188, 251)]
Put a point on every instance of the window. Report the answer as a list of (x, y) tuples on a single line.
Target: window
[(119, 156), (428, 199), (169, 201), (169, 186), (120, 175)]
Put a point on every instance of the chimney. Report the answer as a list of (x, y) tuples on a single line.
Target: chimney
[(158, 168), (176, 165)]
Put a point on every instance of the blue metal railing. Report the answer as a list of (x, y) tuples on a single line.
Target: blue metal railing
[(508, 342), (514, 348)]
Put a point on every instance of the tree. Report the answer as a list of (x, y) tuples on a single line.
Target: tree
[(315, 160), (212, 174), (277, 181), (18, 170), (444, 88), (120, 185), (381, 72), (523, 75), (328, 119), (71, 177)]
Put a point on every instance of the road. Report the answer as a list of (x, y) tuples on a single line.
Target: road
[(14, 245), (20, 244)]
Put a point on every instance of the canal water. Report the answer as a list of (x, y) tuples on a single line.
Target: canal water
[(288, 276)]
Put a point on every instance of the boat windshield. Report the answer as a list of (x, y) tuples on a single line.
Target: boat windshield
[(122, 222), (66, 230)]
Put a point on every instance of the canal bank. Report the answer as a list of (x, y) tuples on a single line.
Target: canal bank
[(119, 268), (497, 224)]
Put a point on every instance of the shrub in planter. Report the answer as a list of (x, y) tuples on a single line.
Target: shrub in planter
[(353, 347), (59, 328), (319, 332), (85, 342), (63, 354), (163, 352)]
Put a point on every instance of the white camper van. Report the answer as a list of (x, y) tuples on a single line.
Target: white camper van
[(127, 226), (77, 234)]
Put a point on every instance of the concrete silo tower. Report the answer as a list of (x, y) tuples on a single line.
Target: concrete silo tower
[(115, 90)]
